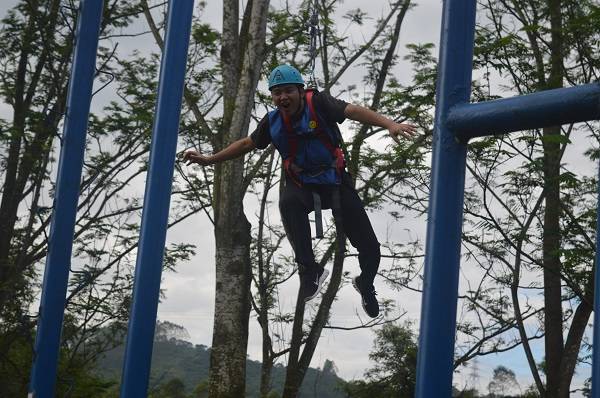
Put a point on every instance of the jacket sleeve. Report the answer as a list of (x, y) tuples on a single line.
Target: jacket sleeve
[(262, 136), (332, 109)]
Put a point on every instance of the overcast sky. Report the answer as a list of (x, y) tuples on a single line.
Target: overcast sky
[(190, 292)]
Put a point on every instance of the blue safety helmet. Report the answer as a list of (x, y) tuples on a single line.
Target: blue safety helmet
[(285, 74)]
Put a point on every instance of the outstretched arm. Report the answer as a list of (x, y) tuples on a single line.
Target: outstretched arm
[(367, 116), (234, 150)]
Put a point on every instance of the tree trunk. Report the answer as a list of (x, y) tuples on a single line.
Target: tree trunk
[(294, 375), (573, 345), (24, 157), (298, 364), (232, 296), (264, 276), (553, 313), (241, 65), (11, 195), (265, 376)]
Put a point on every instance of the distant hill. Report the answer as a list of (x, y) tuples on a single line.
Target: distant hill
[(174, 358)]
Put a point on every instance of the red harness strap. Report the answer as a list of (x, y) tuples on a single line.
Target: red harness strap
[(336, 152), (289, 166)]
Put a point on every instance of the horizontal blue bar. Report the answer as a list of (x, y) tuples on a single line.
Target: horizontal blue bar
[(531, 111)]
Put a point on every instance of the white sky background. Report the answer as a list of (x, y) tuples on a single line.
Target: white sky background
[(190, 292)]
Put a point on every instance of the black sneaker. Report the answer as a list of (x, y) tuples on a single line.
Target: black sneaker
[(311, 283), (368, 293)]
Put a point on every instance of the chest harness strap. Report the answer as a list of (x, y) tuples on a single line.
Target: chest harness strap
[(293, 170)]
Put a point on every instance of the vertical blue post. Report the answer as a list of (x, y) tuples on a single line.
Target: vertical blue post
[(444, 226), (596, 341), (138, 351), (58, 261)]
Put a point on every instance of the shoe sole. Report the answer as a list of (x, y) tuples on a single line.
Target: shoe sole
[(322, 279), (362, 301)]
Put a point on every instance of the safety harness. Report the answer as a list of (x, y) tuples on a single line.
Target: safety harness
[(294, 171)]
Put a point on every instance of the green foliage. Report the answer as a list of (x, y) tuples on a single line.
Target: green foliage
[(174, 388), (76, 375), (503, 381), (34, 70), (532, 392), (201, 390), (14, 366), (394, 373), (505, 202), (206, 37), (467, 393)]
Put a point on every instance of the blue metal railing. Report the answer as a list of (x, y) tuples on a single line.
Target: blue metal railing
[(58, 262), (140, 336), (442, 253), (456, 122)]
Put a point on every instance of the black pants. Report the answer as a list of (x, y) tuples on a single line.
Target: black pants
[(296, 202)]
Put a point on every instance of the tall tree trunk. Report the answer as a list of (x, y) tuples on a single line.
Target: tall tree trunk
[(241, 58), (573, 345), (265, 375), (232, 296), (264, 276), (24, 157), (553, 313), (11, 195), (298, 363)]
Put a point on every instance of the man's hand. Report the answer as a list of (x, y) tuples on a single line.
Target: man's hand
[(404, 129), (192, 156)]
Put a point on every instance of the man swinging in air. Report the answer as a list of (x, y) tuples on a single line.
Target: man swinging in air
[(304, 130)]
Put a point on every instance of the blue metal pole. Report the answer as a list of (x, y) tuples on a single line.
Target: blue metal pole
[(537, 110), (138, 351), (58, 262), (596, 341), (442, 255)]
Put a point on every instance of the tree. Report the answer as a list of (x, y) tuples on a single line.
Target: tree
[(503, 381), (524, 224), (395, 357), (35, 64), (174, 388)]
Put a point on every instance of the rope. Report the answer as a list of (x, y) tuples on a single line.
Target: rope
[(314, 33)]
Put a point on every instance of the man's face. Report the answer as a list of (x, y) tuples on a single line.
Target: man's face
[(287, 98)]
